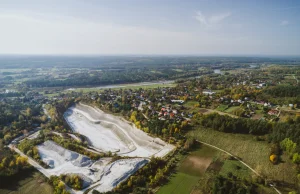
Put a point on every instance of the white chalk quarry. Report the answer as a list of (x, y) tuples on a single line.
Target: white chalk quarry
[(110, 133), (118, 172), (104, 133), (108, 175)]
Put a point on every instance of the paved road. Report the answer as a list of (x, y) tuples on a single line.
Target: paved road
[(31, 161)]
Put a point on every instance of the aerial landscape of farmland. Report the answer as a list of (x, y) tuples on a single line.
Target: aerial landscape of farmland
[(149, 97)]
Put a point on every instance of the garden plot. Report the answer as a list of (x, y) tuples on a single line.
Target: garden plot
[(118, 172), (110, 133), (63, 161)]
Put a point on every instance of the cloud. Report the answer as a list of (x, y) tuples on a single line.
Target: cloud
[(284, 23), (211, 20), (27, 33), (201, 18)]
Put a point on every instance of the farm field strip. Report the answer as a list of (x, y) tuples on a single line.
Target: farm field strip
[(153, 84), (190, 170)]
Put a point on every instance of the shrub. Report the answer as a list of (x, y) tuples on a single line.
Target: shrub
[(296, 158), (274, 158)]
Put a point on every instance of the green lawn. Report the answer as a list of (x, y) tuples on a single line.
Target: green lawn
[(232, 109), (236, 168), (95, 89), (178, 70), (189, 171), (180, 183), (26, 182), (222, 107), (129, 86), (190, 104), (225, 108)]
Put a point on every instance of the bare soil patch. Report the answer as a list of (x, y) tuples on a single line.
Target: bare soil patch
[(199, 164)]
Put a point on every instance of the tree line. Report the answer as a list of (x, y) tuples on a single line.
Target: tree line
[(227, 124)]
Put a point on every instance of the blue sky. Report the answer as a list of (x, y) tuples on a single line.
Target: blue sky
[(96, 27)]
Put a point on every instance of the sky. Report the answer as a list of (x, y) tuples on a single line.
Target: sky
[(150, 27)]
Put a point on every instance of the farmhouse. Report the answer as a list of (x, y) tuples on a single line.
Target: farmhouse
[(273, 112), (208, 92), (180, 101)]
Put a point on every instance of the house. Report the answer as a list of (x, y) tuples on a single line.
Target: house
[(208, 92), (180, 101), (273, 112), (246, 98), (172, 115), (262, 85)]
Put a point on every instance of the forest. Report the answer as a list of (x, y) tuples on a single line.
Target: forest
[(284, 91), (227, 124)]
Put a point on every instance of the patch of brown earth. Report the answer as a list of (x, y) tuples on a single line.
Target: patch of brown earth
[(203, 110), (197, 163)]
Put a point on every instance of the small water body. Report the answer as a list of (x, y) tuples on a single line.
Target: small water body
[(253, 66)]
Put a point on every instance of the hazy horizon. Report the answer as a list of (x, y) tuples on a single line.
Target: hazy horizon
[(150, 28)]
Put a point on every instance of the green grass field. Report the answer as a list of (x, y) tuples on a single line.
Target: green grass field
[(180, 183), (190, 104), (129, 86), (222, 107), (253, 152), (178, 70), (189, 171), (231, 109), (236, 168), (26, 182), (95, 89)]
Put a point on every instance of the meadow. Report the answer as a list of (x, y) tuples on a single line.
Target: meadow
[(28, 182), (197, 170), (248, 149), (190, 170)]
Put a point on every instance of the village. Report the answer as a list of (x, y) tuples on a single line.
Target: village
[(218, 101)]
